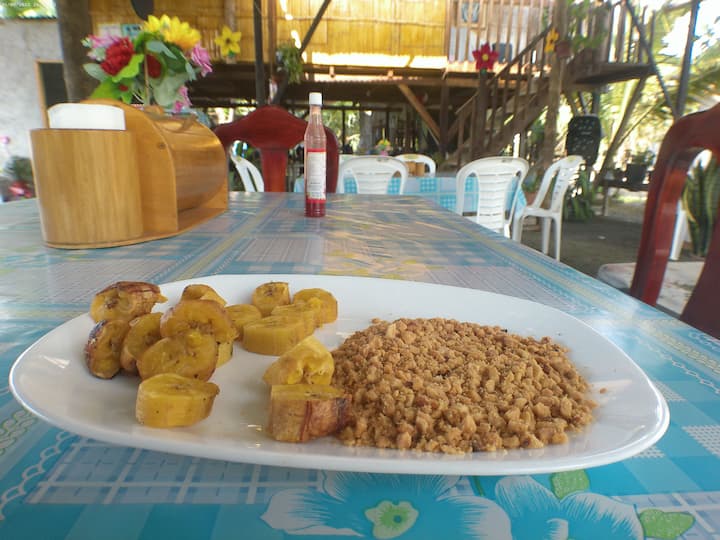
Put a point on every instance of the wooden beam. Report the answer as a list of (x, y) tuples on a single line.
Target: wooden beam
[(314, 25), (421, 110)]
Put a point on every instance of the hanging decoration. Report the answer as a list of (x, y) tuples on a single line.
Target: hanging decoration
[(485, 58)]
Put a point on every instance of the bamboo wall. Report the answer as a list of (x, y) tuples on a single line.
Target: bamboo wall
[(398, 28)]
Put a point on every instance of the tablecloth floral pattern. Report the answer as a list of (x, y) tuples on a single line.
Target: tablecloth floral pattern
[(54, 484)]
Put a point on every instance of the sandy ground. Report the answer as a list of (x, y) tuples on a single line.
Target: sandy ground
[(603, 239)]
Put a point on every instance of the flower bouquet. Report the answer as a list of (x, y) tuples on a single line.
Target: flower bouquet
[(152, 68), (383, 147)]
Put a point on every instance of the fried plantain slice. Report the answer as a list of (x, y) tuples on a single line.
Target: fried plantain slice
[(300, 412), (144, 331), (202, 292), (207, 316), (307, 362), (102, 350), (241, 314), (329, 309), (273, 335), (270, 295), (171, 400), (125, 300), (193, 354)]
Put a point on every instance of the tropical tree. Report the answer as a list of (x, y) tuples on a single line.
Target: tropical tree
[(13, 9)]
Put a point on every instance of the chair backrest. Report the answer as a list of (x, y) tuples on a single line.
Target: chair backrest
[(682, 143), (372, 174), (249, 174), (419, 158), (495, 180), (562, 172), (274, 131)]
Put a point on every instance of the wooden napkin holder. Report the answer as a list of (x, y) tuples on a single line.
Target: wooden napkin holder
[(99, 188)]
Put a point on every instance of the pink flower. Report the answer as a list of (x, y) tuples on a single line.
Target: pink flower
[(103, 41), (201, 58), (184, 100)]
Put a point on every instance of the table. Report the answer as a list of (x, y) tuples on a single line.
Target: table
[(56, 485), (439, 189), (613, 180)]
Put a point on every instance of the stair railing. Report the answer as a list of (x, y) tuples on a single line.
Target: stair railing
[(515, 101)]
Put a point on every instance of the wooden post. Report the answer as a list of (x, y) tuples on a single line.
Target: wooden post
[(259, 61), (74, 24), (687, 59), (477, 130), (229, 14), (444, 112), (557, 70)]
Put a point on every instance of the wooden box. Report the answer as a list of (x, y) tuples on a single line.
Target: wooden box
[(101, 188)]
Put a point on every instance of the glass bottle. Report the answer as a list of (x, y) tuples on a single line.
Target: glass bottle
[(315, 159)]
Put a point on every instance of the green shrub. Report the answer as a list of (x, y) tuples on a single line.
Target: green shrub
[(701, 196)]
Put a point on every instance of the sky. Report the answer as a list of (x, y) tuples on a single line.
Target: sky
[(707, 23)]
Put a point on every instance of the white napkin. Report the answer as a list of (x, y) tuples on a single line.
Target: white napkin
[(86, 116)]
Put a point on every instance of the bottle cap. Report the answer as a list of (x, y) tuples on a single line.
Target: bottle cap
[(315, 98)]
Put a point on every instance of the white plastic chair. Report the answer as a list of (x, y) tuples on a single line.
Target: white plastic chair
[(495, 177), (419, 158), (372, 174), (681, 232), (563, 171), (250, 176)]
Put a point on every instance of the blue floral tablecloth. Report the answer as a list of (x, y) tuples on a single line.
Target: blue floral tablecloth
[(57, 485)]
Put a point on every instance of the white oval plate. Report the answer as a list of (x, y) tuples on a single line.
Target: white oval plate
[(51, 380)]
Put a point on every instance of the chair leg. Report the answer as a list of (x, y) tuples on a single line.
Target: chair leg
[(545, 228), (517, 228), (558, 235)]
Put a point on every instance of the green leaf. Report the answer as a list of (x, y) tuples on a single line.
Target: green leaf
[(95, 71), (665, 525), (190, 72), (106, 89), (165, 91), (131, 69), (160, 48), (565, 483)]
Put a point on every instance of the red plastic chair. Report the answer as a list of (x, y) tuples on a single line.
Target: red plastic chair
[(687, 137), (274, 131)]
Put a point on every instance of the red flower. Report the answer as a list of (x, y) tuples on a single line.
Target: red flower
[(485, 57), (153, 66), (117, 56)]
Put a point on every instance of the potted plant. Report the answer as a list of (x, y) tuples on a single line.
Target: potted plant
[(289, 63), (636, 168)]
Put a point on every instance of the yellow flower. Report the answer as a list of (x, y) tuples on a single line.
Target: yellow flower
[(154, 24), (551, 40), (229, 42), (173, 30)]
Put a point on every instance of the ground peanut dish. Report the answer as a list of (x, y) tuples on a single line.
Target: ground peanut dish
[(440, 385)]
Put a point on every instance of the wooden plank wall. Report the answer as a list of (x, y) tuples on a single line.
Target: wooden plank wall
[(500, 23)]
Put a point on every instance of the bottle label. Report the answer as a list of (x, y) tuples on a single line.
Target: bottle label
[(315, 174)]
